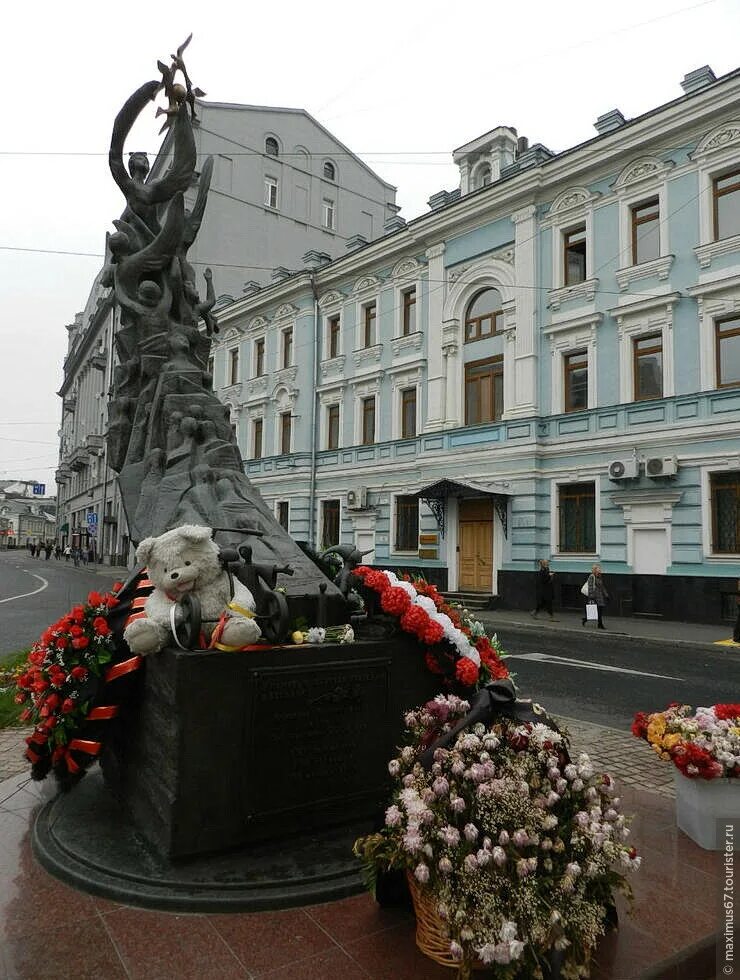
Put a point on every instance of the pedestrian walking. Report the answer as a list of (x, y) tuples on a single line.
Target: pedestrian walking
[(544, 593), (76, 557), (67, 553), (57, 553), (736, 630), (48, 549), (597, 593), (32, 549)]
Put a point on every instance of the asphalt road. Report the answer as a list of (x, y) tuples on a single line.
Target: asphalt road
[(605, 679), (35, 592)]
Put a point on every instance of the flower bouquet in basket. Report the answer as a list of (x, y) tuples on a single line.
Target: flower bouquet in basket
[(702, 743), (512, 851)]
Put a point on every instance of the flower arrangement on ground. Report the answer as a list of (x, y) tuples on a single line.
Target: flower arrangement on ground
[(57, 684), (457, 647), (702, 743), (520, 849)]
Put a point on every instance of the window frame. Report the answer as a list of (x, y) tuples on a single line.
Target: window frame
[(401, 502), (258, 444), (286, 348), (234, 366), (404, 393), (333, 335), (328, 214), (332, 176), (637, 354), (272, 184), (331, 418), (559, 487), (635, 223), (369, 324), (364, 403), (325, 543), (713, 513), (496, 363), (496, 317), (717, 194), (270, 142), (286, 427), (568, 370), (408, 300), (718, 321), (279, 504), (580, 229), (259, 357)]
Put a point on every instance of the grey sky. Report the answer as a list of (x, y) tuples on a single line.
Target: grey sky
[(401, 84)]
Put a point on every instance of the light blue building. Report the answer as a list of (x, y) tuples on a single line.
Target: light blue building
[(547, 364)]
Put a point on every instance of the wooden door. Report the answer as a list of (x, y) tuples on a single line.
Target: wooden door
[(475, 536)]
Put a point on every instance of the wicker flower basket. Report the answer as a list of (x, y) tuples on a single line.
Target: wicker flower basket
[(432, 936)]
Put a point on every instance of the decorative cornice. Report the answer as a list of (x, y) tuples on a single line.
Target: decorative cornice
[(231, 392), (257, 388), (705, 253), (334, 367), (648, 304), (585, 290), (728, 134), (368, 384), (408, 268), (331, 300), (408, 345), (367, 355), (366, 285), (257, 324), (286, 376), (524, 214), (641, 170), (589, 320), (286, 311), (572, 199), (436, 251), (659, 267)]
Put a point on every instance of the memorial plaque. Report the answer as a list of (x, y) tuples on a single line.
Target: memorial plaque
[(315, 739)]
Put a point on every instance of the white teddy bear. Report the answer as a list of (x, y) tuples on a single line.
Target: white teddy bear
[(185, 560)]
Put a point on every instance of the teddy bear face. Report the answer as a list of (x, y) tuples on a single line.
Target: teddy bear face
[(181, 560)]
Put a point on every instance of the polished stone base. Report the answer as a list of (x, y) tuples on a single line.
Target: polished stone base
[(85, 839)]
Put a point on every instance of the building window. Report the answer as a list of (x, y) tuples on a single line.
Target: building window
[(257, 426), (271, 192), (408, 413), (271, 147), (328, 213), (333, 329), (726, 204), (407, 524), (329, 523), (574, 255), (577, 517), (283, 514), (368, 421), (332, 427), (259, 357), (287, 354), (484, 390), (234, 366), (210, 366), (575, 367), (647, 360), (409, 311), (368, 325), (727, 345), (285, 431), (725, 495), (645, 231), (484, 316), (330, 171)]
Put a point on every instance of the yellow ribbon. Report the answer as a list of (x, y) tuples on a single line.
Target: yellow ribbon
[(242, 612)]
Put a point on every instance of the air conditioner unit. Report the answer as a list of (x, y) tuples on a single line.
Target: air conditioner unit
[(357, 499), (661, 466), (623, 469)]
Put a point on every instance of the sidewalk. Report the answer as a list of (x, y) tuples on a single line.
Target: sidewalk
[(68, 934), (636, 627)]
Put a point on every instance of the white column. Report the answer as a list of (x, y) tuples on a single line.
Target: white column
[(453, 416), (524, 402), (435, 367)]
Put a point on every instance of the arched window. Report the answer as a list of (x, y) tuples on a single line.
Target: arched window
[(271, 146), (330, 171), (484, 316)]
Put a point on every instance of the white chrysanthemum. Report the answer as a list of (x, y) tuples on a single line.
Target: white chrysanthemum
[(316, 634)]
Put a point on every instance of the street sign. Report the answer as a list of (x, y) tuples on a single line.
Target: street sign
[(92, 530), (92, 520), (39, 489)]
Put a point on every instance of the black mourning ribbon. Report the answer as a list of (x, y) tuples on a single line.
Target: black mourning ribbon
[(495, 700)]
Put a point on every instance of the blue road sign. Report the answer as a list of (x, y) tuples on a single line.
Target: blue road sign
[(92, 519), (39, 489)]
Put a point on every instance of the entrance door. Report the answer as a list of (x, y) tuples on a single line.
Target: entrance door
[(475, 546)]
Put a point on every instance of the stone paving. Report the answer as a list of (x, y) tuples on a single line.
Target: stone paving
[(12, 747)]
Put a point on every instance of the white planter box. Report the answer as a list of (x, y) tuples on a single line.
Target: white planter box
[(701, 803)]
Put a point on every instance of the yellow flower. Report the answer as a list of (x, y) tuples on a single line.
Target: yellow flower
[(297, 637), (670, 741)]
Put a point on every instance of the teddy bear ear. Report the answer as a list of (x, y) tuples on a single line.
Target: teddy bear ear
[(194, 533), (144, 550)]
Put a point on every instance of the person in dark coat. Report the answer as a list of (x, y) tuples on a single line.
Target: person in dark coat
[(544, 589), (736, 630), (597, 592)]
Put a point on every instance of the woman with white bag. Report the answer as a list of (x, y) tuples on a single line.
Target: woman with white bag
[(597, 595)]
